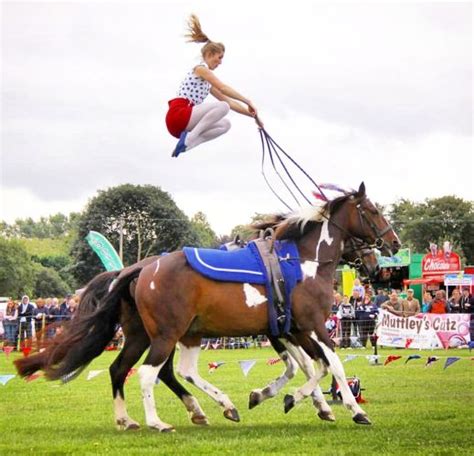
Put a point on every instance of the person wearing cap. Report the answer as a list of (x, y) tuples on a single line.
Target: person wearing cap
[(193, 121), (410, 305)]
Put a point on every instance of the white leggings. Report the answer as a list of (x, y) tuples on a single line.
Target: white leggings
[(207, 122)]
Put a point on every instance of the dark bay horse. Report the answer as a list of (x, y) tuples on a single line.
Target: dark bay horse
[(175, 302)]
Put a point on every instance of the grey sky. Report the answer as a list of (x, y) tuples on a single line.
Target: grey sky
[(362, 91)]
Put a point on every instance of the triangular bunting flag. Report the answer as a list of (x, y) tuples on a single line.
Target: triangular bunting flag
[(130, 373), (451, 360), (408, 342), (391, 358), (246, 365), (214, 365), (94, 373), (471, 345), (396, 340), (272, 361), (215, 345), (26, 351), (7, 350), (33, 377), (412, 357), (373, 359), (431, 360), (350, 358), (4, 379)]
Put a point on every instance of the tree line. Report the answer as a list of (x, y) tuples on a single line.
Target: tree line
[(51, 257)]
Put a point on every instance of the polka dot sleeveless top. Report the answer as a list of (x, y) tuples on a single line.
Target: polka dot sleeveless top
[(194, 88)]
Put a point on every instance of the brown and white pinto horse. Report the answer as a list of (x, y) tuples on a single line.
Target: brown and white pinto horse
[(175, 303)]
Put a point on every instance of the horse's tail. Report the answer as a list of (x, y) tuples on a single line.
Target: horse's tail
[(85, 336)]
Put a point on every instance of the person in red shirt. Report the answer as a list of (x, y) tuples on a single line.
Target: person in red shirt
[(439, 304)]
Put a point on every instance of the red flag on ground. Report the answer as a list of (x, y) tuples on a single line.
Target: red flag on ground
[(214, 365), (130, 373), (391, 358), (32, 377), (272, 361)]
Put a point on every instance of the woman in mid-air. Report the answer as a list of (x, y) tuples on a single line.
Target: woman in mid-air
[(188, 118)]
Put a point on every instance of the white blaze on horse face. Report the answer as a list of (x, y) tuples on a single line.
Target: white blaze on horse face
[(253, 297), (152, 285), (323, 237)]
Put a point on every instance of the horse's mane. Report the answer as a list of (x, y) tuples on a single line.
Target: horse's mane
[(296, 224)]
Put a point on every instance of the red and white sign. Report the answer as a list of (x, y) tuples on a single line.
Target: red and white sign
[(440, 263)]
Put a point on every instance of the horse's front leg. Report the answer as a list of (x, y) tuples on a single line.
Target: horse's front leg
[(322, 347), (257, 396), (188, 369), (313, 377)]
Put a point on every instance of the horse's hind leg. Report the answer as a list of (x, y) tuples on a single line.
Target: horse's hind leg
[(188, 369), (160, 350), (134, 347), (190, 402)]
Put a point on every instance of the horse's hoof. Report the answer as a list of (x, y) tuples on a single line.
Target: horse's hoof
[(132, 427), (200, 420), (162, 429), (326, 416), (360, 418), (289, 402), (232, 415), (254, 399)]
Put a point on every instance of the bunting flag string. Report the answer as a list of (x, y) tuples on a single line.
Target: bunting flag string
[(130, 373), (94, 373), (33, 377), (214, 365), (247, 365), (349, 358), (391, 358), (451, 360), (4, 379), (412, 357), (272, 361)]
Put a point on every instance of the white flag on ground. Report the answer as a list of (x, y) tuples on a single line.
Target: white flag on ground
[(246, 365), (94, 373)]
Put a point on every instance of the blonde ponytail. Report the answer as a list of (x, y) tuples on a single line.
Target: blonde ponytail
[(196, 35)]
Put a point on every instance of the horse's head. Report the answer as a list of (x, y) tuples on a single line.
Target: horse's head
[(360, 256), (366, 222)]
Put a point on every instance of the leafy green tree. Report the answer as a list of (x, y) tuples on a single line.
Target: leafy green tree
[(147, 217), (16, 269), (206, 236), (49, 283), (448, 218)]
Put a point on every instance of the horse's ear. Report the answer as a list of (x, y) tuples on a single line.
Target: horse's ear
[(361, 192)]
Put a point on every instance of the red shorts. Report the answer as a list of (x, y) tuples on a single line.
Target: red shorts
[(178, 115)]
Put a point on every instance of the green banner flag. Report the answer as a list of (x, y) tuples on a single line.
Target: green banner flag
[(104, 250), (402, 258)]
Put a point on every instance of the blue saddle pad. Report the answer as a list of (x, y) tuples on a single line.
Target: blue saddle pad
[(242, 265), (245, 265)]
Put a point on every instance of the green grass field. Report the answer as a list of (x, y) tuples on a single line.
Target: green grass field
[(414, 410)]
